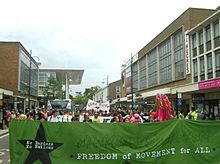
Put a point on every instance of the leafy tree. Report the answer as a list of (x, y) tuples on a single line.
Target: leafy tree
[(82, 99), (53, 90), (90, 92)]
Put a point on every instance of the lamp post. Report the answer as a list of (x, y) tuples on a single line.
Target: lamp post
[(107, 89), (29, 81), (132, 96)]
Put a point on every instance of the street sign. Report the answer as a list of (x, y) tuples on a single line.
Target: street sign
[(179, 101)]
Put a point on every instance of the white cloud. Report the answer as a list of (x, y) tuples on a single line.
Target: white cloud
[(95, 35)]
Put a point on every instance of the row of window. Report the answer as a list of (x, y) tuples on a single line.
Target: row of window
[(206, 64), (203, 40), (199, 70), (27, 69), (43, 77), (161, 63)]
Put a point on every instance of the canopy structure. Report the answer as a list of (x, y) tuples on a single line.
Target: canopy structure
[(68, 76)]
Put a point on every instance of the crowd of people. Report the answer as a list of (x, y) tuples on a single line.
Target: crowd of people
[(118, 115)]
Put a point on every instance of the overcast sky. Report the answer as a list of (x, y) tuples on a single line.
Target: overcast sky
[(94, 35)]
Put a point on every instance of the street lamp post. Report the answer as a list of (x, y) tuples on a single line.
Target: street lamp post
[(132, 95), (107, 89), (29, 81)]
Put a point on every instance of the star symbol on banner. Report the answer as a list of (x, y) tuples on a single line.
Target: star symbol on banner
[(39, 148)]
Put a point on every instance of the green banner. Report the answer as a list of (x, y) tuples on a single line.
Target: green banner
[(168, 142)]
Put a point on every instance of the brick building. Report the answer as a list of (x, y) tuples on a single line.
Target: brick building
[(18, 77)]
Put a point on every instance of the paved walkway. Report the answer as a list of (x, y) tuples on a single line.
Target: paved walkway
[(4, 131)]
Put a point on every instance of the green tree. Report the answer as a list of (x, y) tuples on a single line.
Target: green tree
[(53, 90), (82, 99), (90, 92)]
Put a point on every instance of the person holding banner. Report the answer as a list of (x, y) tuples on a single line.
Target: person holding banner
[(96, 118), (53, 117), (66, 117)]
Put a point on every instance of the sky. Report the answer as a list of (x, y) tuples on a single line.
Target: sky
[(95, 35)]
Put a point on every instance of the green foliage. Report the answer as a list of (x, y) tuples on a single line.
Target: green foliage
[(53, 90), (90, 92), (82, 99)]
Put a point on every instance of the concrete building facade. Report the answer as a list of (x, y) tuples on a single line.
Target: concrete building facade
[(205, 59), (66, 76), (163, 66), (111, 93)]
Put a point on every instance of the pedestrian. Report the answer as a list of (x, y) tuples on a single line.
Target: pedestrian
[(115, 119), (96, 119), (53, 117), (66, 117), (194, 113), (31, 116), (137, 118), (7, 118)]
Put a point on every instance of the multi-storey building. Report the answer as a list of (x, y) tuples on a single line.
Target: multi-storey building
[(163, 66), (115, 91), (66, 76), (18, 77), (111, 93), (205, 58)]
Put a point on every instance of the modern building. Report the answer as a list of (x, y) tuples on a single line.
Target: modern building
[(67, 77), (163, 66), (18, 77), (205, 58)]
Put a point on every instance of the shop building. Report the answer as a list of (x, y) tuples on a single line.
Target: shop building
[(18, 77), (111, 92), (205, 59), (163, 66)]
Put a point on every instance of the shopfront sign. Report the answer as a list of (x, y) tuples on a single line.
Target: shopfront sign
[(187, 54), (174, 141), (209, 84)]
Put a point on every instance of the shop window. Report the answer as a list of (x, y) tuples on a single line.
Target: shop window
[(217, 41), (201, 46), (216, 34), (201, 49), (202, 77), (194, 52), (194, 49), (202, 69), (209, 66), (195, 78), (217, 63), (217, 73), (208, 38), (208, 45), (195, 71)]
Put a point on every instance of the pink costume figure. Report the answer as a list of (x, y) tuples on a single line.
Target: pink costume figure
[(137, 118), (163, 107), (168, 108), (159, 108)]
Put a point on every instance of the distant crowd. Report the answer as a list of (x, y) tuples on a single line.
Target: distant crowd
[(117, 115)]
